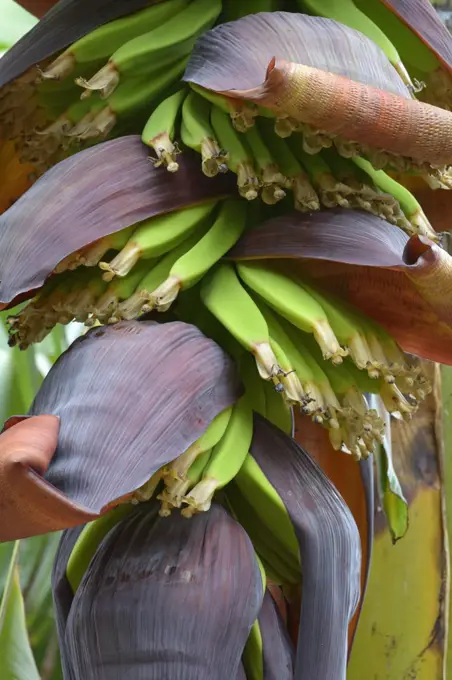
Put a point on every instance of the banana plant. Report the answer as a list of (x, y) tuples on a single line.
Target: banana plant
[(238, 233)]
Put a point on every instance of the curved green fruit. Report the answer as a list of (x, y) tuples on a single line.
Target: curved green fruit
[(175, 489), (191, 267), (133, 97), (345, 325), (178, 469), (271, 178), (280, 564), (277, 411), (242, 114), (294, 303), (311, 401), (141, 300), (416, 221), (258, 491), (305, 196), (226, 298), (254, 386), (158, 133), (197, 134), (331, 191), (156, 236), (157, 49), (240, 157), (226, 459), (410, 47), (103, 41), (105, 309)]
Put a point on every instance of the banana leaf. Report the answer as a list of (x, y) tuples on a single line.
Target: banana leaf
[(16, 21), (403, 626), (76, 203), (15, 650)]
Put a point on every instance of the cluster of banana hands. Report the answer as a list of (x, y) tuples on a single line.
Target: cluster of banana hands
[(236, 331)]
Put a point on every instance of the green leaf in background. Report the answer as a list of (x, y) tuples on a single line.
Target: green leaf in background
[(22, 374), (15, 22), (390, 491), (17, 660)]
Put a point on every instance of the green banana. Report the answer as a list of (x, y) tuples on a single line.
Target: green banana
[(344, 322), (271, 179), (360, 427), (240, 158), (156, 236), (226, 460), (257, 490), (190, 309), (288, 382), (393, 365), (294, 303), (253, 654), (104, 309), (393, 399), (305, 196), (281, 565), (191, 267), (131, 98), (224, 296), (263, 396), (321, 391), (197, 134), (254, 386), (269, 653), (277, 411), (175, 489), (103, 41), (412, 219), (331, 191), (88, 542), (158, 133), (364, 194), (156, 49), (345, 433), (179, 467), (92, 254), (141, 300), (242, 114), (310, 399), (346, 12)]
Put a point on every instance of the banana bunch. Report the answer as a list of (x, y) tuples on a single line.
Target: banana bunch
[(314, 352), (48, 116), (268, 166)]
